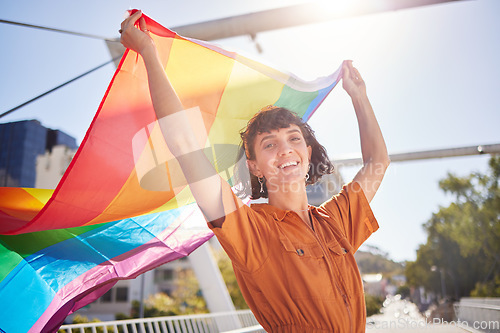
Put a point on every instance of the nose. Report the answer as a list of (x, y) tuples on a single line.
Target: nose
[(284, 148)]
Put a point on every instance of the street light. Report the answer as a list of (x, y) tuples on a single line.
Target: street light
[(441, 272)]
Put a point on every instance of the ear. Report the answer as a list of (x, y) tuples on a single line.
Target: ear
[(309, 150), (254, 169)]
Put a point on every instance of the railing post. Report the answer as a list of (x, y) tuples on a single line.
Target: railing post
[(200, 323)]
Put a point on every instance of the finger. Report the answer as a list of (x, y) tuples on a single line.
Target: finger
[(356, 72), (134, 17), (131, 19), (345, 69), (142, 24), (351, 67), (125, 23)]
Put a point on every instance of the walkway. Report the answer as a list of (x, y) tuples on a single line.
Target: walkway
[(399, 315)]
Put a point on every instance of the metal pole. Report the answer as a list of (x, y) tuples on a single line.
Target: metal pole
[(59, 30), (141, 304), (443, 285), (430, 154), (285, 17), (54, 89)]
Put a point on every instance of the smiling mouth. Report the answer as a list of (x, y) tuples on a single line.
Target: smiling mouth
[(288, 164)]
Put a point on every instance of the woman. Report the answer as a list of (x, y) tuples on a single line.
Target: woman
[(294, 262)]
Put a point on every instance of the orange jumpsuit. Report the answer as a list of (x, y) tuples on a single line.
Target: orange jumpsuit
[(294, 278)]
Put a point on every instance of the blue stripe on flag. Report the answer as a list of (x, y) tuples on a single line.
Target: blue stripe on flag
[(33, 283)]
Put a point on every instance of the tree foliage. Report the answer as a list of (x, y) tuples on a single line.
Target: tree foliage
[(373, 304), (463, 240), (487, 289), (185, 299)]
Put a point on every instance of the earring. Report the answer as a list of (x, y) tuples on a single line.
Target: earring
[(261, 182), (307, 176)]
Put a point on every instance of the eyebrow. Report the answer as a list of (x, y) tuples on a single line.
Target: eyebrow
[(270, 136)]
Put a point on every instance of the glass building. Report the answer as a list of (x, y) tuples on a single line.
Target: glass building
[(20, 144)]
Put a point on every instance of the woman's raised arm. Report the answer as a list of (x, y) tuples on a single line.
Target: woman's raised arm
[(203, 180), (373, 149)]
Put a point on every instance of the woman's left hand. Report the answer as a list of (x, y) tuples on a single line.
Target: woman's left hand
[(136, 38), (352, 82)]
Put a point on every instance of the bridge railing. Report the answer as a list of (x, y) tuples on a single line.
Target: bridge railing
[(239, 321), (479, 314), (251, 329)]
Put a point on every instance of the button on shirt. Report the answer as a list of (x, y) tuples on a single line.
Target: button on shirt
[(298, 279)]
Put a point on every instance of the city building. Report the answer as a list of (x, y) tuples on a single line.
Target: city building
[(21, 143), (50, 166)]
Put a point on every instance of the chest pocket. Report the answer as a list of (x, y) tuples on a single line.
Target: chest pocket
[(346, 266), (338, 249), (306, 271), (311, 250)]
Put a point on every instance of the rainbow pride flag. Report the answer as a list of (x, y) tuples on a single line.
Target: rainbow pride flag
[(62, 249)]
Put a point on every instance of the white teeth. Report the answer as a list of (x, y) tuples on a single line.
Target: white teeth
[(284, 165)]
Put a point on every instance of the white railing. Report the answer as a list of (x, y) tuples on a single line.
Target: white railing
[(242, 321), (251, 329), (479, 314)]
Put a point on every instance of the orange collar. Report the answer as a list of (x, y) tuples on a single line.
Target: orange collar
[(277, 213)]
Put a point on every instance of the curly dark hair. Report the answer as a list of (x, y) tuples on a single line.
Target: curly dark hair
[(265, 121)]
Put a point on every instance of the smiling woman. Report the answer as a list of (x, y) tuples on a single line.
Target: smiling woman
[(282, 158), (294, 262), (258, 137)]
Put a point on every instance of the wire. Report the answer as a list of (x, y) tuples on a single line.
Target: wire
[(55, 88), (60, 30)]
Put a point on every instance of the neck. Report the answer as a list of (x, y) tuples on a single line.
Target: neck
[(290, 198)]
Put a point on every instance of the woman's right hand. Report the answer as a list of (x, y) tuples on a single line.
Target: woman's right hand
[(352, 82), (134, 38)]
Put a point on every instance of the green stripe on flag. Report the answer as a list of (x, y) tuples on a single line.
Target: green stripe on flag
[(297, 101), (9, 260), (27, 244)]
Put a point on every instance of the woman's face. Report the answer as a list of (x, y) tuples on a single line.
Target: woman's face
[(282, 157)]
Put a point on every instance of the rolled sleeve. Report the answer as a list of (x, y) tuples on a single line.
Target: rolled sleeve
[(352, 212), (244, 234)]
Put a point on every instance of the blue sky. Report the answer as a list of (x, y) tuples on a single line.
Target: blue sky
[(432, 76)]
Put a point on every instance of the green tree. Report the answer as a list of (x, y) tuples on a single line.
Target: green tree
[(185, 299), (487, 289), (187, 293), (404, 291), (463, 239), (373, 304), (477, 228)]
